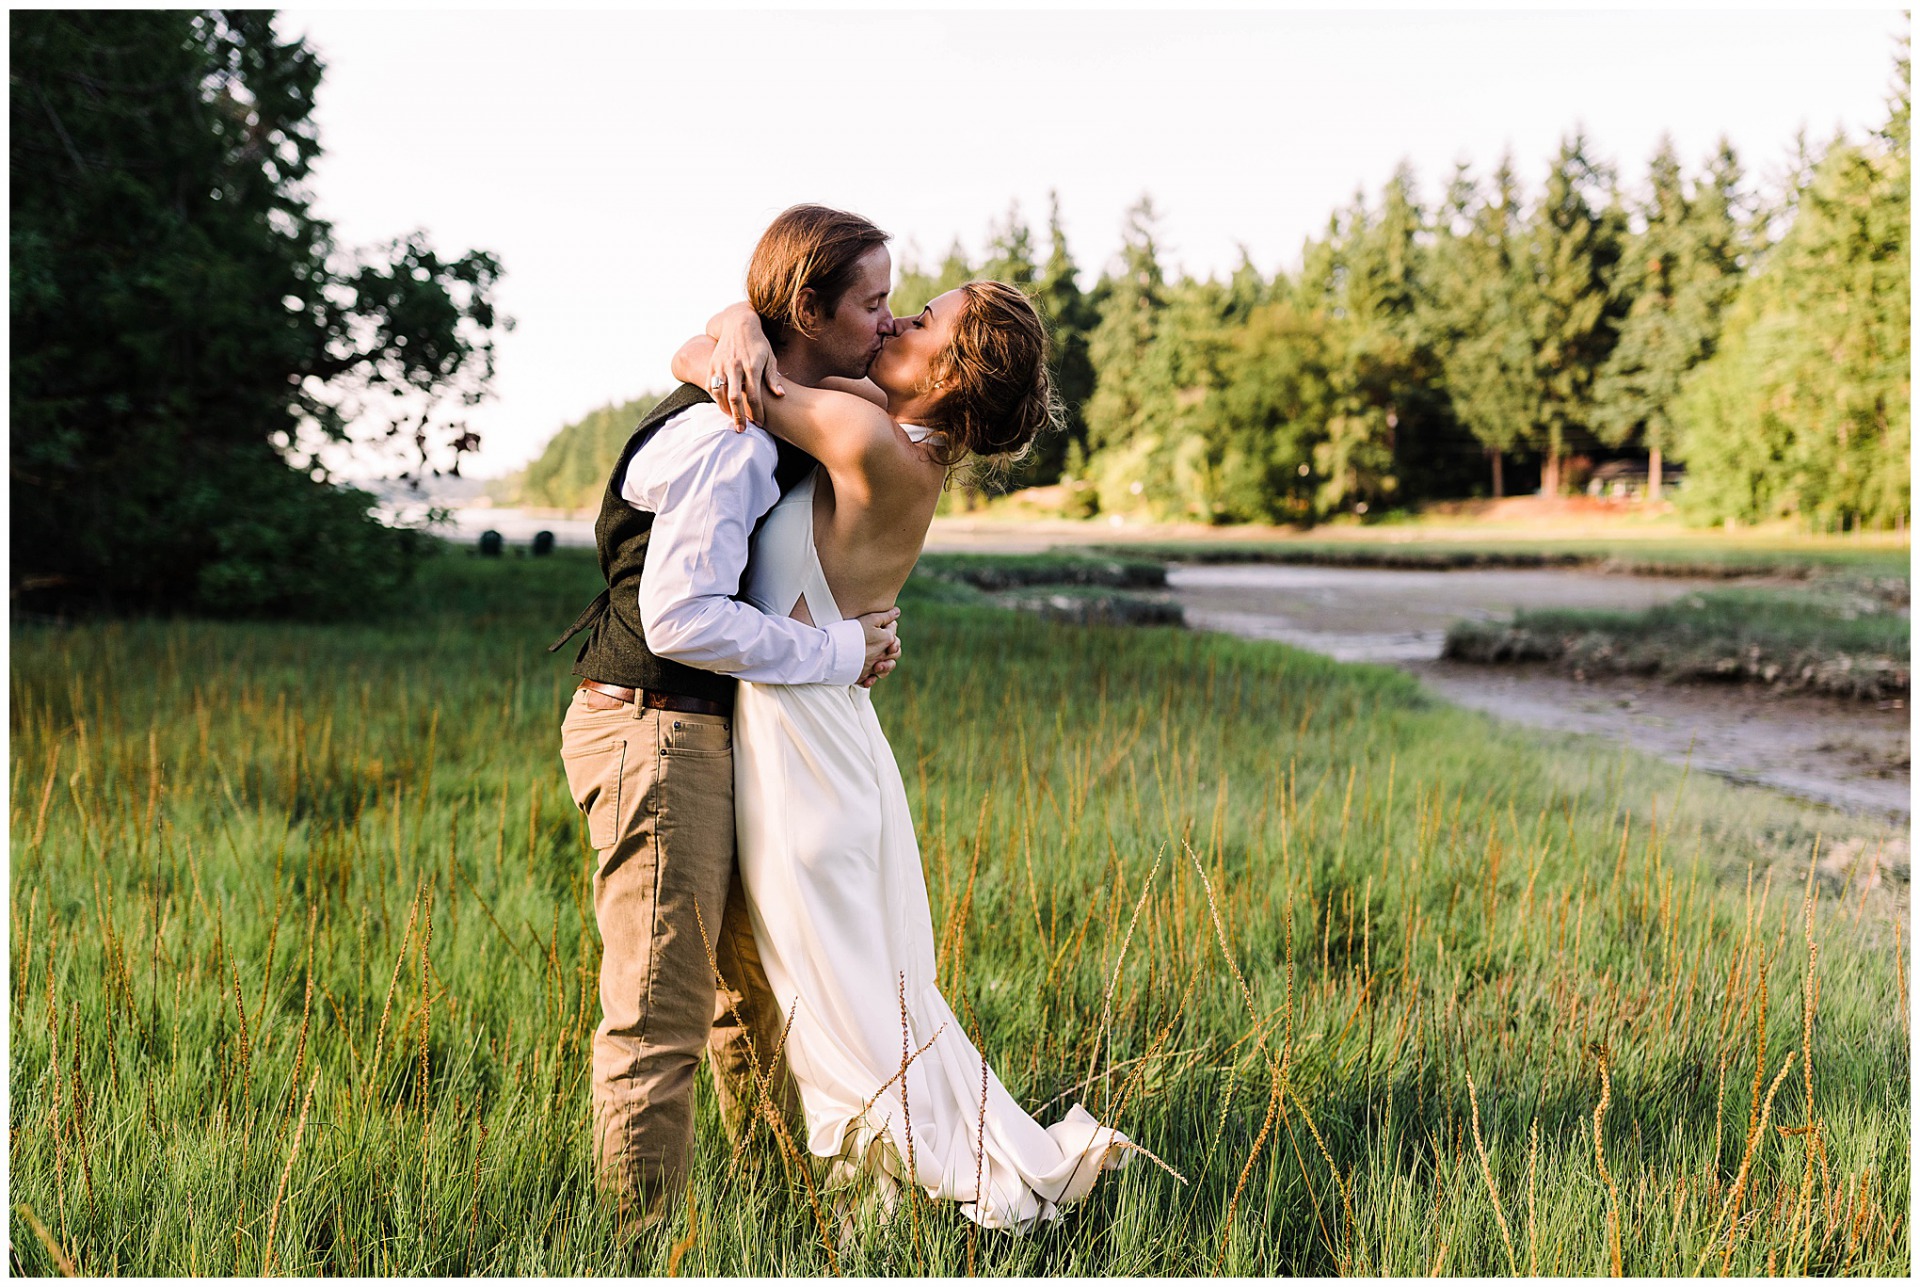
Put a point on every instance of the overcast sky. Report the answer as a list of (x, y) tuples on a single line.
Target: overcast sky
[(622, 164)]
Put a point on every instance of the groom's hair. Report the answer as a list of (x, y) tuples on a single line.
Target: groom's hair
[(805, 248)]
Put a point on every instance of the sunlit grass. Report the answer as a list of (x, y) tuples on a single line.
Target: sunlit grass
[(303, 966)]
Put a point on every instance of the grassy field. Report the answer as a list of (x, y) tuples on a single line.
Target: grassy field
[(303, 966)]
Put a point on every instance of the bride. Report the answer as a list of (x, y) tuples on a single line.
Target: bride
[(827, 852)]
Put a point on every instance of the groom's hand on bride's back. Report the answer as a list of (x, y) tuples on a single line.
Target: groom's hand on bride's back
[(882, 633)]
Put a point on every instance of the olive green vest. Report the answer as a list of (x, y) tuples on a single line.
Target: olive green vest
[(616, 649)]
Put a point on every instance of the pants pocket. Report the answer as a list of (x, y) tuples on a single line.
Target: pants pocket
[(695, 735), (595, 755)]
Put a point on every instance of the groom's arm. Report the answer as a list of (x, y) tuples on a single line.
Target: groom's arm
[(707, 487)]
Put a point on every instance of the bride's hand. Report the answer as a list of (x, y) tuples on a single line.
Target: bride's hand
[(742, 369)]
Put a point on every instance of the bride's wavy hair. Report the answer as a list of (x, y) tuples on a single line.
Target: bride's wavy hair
[(999, 394)]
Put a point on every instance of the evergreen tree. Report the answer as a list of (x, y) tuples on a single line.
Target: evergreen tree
[(1010, 253), (181, 319), (916, 288), (1180, 453), (1574, 244), (1481, 284), (1676, 278), (1392, 432), (1133, 299), (1070, 318), (1247, 290), (1805, 410)]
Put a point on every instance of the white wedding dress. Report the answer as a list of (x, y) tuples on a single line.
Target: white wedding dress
[(840, 913)]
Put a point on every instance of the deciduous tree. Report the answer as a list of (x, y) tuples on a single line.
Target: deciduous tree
[(182, 321)]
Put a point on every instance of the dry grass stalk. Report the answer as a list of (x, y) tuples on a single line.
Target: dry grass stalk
[(1486, 1173), (685, 1244), (280, 1192), (1306, 1177), (1220, 933), (46, 797), (953, 932), (386, 1007), (1719, 1102), (1533, 1165), (979, 1165), (1600, 1159), (246, 1061), (273, 942), (1274, 1067), (1809, 1126), (1253, 1154), (26, 954), (763, 1088), (1144, 1062), (473, 1208), (306, 1011), (906, 1117), (1113, 980), (1730, 1213), (1759, 1055), (901, 1071), (1900, 976), (426, 1002), (61, 1260), (1346, 1193)]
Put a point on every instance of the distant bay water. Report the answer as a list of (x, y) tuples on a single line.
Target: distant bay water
[(516, 526)]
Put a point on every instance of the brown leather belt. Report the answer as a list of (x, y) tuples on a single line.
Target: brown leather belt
[(656, 701)]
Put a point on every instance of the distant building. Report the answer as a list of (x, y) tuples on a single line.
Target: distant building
[(1627, 479)]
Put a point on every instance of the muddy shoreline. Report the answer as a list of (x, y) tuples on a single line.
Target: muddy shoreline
[(1850, 755)]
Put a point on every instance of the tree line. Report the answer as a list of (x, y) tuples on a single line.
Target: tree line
[(1487, 340), (1491, 340)]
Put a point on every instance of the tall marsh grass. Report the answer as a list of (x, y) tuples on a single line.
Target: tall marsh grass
[(303, 967)]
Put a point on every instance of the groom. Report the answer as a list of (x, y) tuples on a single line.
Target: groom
[(647, 739)]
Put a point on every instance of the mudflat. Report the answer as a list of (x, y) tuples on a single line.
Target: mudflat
[(1852, 755)]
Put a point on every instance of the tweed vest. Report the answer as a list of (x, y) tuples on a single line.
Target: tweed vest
[(616, 649)]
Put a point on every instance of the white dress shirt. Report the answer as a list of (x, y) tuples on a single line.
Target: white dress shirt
[(707, 486)]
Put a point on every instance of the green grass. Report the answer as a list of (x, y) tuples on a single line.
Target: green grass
[(272, 875), (1841, 644)]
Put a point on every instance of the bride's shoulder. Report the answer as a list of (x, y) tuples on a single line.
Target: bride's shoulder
[(866, 389)]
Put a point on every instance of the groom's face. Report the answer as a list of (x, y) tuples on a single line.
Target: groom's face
[(850, 338)]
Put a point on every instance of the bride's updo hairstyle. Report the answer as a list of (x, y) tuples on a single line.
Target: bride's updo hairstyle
[(994, 370)]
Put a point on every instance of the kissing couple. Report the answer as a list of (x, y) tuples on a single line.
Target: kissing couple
[(758, 885)]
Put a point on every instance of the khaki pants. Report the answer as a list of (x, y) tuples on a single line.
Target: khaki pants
[(657, 791)]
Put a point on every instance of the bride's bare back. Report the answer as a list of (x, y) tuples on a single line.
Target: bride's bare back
[(869, 530), (868, 544)]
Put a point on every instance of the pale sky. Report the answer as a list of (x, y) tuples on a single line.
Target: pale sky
[(622, 164)]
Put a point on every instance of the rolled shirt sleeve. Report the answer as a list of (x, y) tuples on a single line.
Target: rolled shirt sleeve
[(707, 486)]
